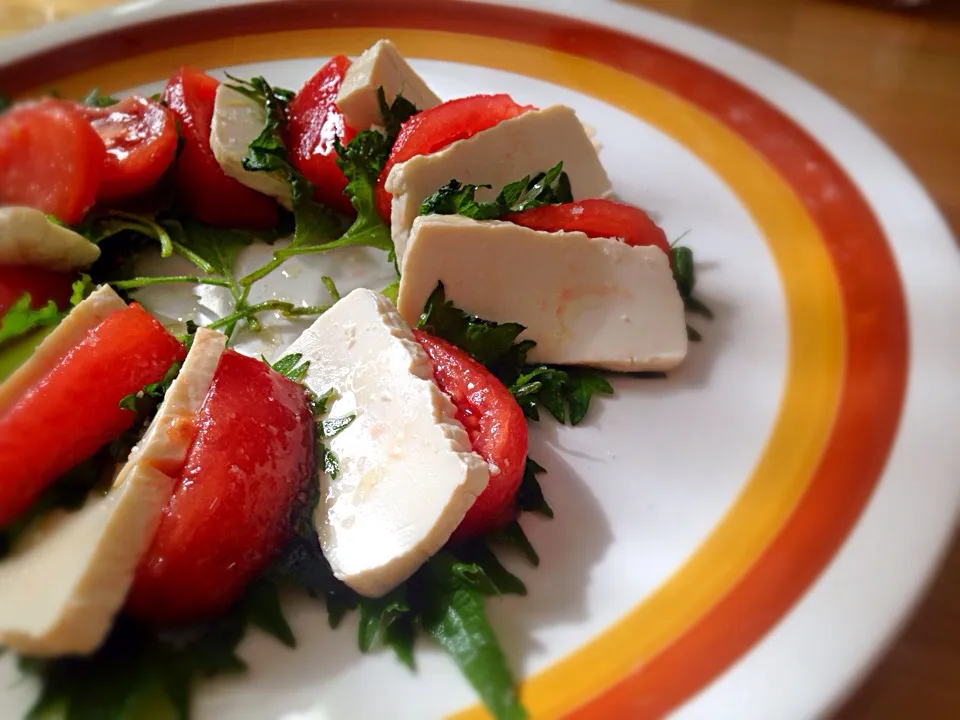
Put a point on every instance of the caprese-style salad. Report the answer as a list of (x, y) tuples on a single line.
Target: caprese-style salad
[(158, 487)]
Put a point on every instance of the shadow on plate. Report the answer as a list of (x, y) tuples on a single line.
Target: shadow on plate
[(570, 545)]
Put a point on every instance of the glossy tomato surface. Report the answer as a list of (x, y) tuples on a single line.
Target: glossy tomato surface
[(140, 137), (51, 159), (436, 128), (43, 285), (496, 426), (230, 513), (596, 218), (75, 409), (314, 123), (202, 187)]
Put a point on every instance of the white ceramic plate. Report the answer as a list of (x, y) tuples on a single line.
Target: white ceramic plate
[(739, 540)]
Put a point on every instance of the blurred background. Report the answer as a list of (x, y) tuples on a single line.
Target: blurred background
[(896, 64)]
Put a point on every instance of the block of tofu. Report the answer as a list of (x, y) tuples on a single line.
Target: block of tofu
[(584, 301), (237, 121), (525, 145), (381, 65), (407, 474), (27, 237), (69, 574), (166, 441), (82, 319)]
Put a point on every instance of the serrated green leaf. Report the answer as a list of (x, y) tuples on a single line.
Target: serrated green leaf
[(530, 495), (290, 367), (454, 615), (20, 319), (95, 99), (514, 536), (502, 581), (262, 607), (454, 198), (581, 386), (394, 114)]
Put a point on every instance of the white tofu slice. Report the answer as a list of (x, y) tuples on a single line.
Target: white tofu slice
[(381, 65), (27, 237), (237, 121), (62, 585), (525, 145), (407, 474), (69, 574), (584, 301), (165, 443), (73, 328)]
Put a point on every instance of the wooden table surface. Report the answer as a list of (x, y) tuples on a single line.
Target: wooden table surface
[(900, 72)]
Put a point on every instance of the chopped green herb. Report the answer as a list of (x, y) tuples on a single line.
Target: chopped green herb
[(5, 103), (530, 495), (684, 272), (140, 671), (20, 319), (454, 615), (153, 392), (362, 161), (564, 392), (394, 114), (547, 188), (95, 99)]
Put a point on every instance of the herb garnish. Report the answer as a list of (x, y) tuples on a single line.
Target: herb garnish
[(685, 274), (95, 99), (564, 392), (394, 114), (361, 161), (71, 489), (20, 319), (5, 103), (549, 188)]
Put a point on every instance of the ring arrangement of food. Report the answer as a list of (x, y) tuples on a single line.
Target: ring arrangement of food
[(182, 443)]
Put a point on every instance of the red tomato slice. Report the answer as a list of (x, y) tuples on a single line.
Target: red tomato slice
[(434, 129), (203, 188), (141, 140), (496, 426), (50, 159), (596, 218), (230, 514), (74, 410), (43, 286), (315, 121)]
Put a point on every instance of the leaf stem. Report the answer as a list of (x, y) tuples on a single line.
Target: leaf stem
[(145, 281)]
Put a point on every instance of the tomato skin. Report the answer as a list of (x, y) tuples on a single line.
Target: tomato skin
[(596, 218), (202, 187), (440, 126), (314, 122), (51, 159), (140, 137), (230, 513), (74, 410), (42, 284), (496, 426)]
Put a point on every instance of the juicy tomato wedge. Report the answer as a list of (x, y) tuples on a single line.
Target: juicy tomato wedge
[(596, 218), (51, 159), (43, 286), (314, 123), (496, 426), (74, 410), (141, 140), (434, 129), (230, 513), (203, 188)]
